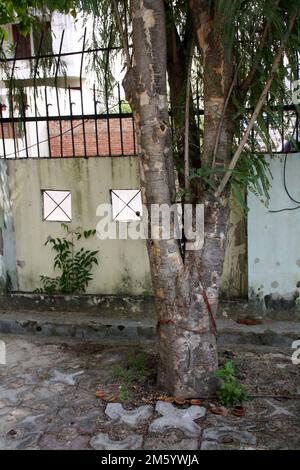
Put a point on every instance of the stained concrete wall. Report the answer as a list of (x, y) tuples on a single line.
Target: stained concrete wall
[(234, 282), (123, 264), (274, 241), (8, 265)]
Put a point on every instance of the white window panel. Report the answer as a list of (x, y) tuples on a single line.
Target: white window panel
[(126, 205), (57, 206)]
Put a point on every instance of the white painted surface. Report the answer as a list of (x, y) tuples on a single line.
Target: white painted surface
[(274, 239)]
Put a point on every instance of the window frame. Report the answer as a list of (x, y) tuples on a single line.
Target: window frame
[(140, 217), (43, 191)]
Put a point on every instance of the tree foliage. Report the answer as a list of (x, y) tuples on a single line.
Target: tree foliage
[(24, 11)]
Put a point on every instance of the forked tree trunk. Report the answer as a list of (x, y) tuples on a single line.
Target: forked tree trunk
[(187, 341)]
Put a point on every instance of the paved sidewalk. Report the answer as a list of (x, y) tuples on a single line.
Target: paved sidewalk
[(47, 401)]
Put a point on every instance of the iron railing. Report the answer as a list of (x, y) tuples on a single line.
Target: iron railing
[(51, 109), (54, 116)]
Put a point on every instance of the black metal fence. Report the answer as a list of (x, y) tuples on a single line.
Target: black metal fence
[(52, 107), (55, 106)]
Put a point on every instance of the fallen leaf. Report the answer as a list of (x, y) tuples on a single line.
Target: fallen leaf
[(195, 401), (217, 410), (166, 399), (169, 399), (112, 399), (100, 394), (180, 400)]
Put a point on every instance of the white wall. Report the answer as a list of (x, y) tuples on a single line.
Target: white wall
[(274, 239)]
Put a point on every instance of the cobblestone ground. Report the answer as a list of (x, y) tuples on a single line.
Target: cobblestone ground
[(47, 401)]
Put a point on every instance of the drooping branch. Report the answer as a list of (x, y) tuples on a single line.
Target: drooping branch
[(122, 34), (258, 108), (262, 43)]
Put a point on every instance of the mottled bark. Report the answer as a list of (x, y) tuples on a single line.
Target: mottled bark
[(187, 343), (218, 73), (178, 50)]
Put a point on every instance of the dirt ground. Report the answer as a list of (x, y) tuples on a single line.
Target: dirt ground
[(48, 396)]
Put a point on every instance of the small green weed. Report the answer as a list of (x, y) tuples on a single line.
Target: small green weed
[(230, 393), (135, 368)]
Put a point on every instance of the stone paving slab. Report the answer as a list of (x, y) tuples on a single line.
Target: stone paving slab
[(103, 442), (132, 418), (167, 444), (174, 418)]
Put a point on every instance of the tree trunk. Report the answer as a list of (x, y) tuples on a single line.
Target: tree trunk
[(218, 73), (185, 288), (178, 51)]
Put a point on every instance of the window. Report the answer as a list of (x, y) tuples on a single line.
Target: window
[(23, 42), (126, 204), (57, 206), (42, 38), (7, 130)]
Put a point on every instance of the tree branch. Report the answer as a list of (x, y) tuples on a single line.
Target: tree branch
[(222, 117), (258, 108)]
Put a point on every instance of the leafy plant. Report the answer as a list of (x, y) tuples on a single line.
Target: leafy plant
[(230, 393), (75, 264)]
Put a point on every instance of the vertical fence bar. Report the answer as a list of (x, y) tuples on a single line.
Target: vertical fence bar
[(2, 132), (297, 128), (34, 94), (106, 95), (96, 120), (268, 123), (1, 114), (24, 122), (81, 93), (297, 106), (71, 121), (120, 119), (56, 91), (47, 119), (107, 116), (134, 136), (11, 101), (282, 130)]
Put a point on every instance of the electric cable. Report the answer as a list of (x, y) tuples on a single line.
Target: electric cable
[(287, 192)]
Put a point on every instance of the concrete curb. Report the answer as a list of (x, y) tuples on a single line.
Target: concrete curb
[(124, 329)]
